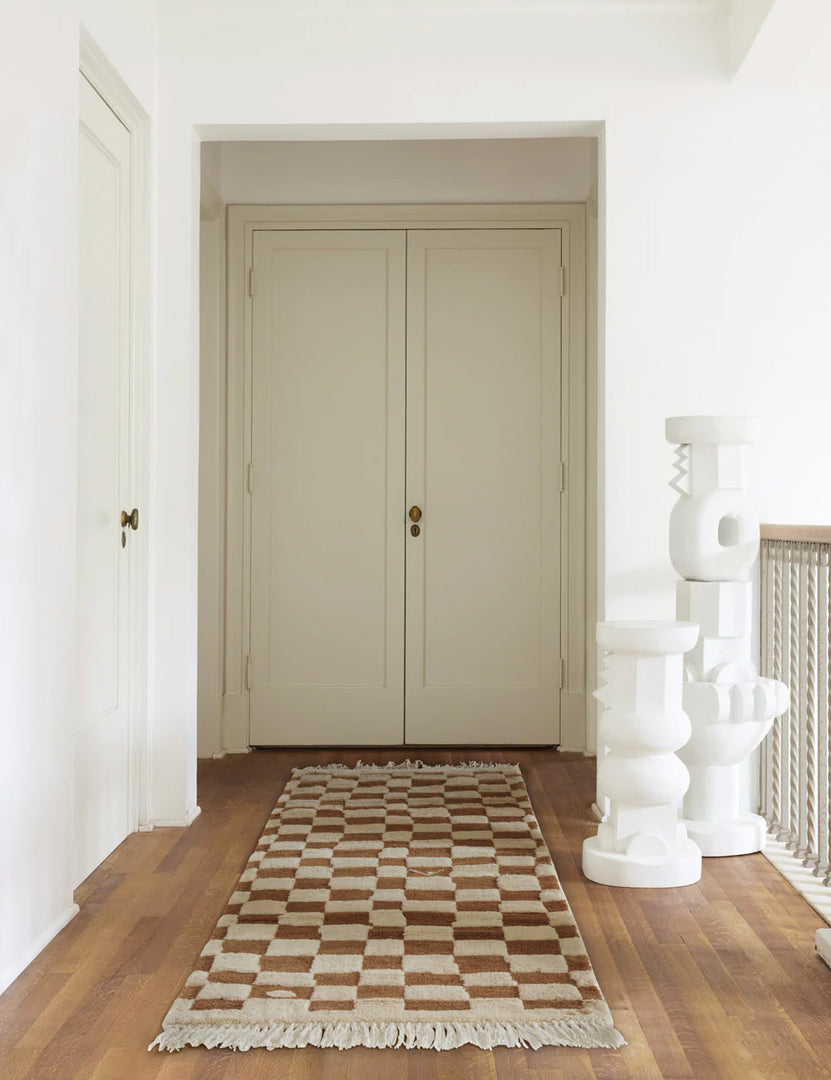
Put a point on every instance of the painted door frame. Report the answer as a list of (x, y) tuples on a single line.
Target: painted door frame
[(578, 419), (97, 70)]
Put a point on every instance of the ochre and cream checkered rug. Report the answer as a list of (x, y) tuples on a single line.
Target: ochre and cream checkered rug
[(396, 906)]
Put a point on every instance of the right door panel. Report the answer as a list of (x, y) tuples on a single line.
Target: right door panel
[(483, 452)]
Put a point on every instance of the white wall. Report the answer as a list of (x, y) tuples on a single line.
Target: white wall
[(713, 222), (453, 171), (744, 20), (39, 55), (714, 229)]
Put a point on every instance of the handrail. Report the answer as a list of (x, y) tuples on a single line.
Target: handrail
[(803, 534)]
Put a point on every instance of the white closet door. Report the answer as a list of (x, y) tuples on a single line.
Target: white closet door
[(327, 549), (102, 788), (483, 452)]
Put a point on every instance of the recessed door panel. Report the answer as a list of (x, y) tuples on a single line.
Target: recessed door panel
[(482, 464), (328, 466), (102, 642)]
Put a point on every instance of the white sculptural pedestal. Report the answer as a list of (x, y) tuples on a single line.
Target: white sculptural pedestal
[(714, 542), (642, 844)]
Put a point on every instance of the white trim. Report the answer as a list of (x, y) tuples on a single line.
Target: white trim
[(595, 567), (234, 706), (404, 216), (98, 71), (212, 461), (173, 823), (805, 883), (578, 588), (822, 940), (11, 971)]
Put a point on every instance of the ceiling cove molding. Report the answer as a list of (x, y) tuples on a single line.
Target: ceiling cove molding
[(272, 9)]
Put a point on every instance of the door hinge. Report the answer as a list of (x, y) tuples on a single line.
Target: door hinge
[(562, 673), (562, 281), (248, 672), (562, 476), (251, 282), (250, 478)]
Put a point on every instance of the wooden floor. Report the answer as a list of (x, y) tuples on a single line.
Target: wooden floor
[(716, 980)]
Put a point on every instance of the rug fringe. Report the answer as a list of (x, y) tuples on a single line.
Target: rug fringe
[(408, 765), (345, 1034)]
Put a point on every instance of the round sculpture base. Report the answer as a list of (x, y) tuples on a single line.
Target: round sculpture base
[(682, 866), (739, 836)]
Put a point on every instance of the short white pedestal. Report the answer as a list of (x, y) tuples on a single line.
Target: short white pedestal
[(678, 864), (741, 836), (643, 845)]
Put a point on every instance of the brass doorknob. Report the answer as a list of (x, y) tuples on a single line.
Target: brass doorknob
[(130, 519), (415, 513)]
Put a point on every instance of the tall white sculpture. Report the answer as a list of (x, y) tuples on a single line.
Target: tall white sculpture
[(642, 844), (713, 543)]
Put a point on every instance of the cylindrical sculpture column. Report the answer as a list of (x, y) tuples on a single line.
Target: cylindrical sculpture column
[(642, 844), (714, 542)]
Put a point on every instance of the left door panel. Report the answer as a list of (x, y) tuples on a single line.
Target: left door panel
[(102, 737), (327, 502)]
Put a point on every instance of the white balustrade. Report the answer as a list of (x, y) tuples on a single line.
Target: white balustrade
[(795, 643)]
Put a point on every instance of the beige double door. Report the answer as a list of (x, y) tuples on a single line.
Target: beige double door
[(395, 370)]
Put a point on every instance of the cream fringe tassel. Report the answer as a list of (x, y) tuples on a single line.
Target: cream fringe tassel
[(407, 766), (345, 1034)]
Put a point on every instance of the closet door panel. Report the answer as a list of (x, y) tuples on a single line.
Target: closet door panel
[(483, 467), (327, 604)]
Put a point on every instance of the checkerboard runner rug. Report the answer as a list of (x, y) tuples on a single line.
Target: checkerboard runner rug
[(397, 906)]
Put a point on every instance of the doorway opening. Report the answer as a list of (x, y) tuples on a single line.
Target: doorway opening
[(524, 186)]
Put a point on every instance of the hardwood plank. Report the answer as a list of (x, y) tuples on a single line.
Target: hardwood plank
[(717, 981)]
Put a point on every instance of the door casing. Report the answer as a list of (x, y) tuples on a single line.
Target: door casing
[(578, 419)]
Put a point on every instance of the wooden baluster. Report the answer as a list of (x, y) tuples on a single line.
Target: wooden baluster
[(823, 779), (809, 621), (766, 649), (776, 814), (799, 826)]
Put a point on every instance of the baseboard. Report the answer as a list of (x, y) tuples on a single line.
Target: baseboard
[(235, 721), (805, 883), (18, 966), (573, 722), (823, 944), (173, 823)]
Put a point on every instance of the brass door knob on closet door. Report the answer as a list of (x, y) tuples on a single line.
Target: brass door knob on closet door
[(415, 513), (129, 519)]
